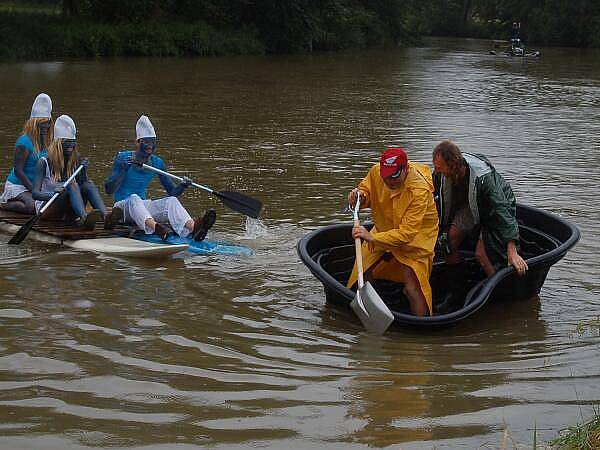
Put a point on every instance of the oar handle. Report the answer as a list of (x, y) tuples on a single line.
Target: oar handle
[(358, 245), (56, 194), (359, 261), (175, 177)]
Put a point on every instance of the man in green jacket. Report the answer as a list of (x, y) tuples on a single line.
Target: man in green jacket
[(473, 198)]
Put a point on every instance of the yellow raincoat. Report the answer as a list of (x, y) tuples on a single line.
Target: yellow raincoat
[(406, 224)]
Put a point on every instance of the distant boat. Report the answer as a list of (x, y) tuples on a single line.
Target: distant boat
[(516, 51), (545, 238)]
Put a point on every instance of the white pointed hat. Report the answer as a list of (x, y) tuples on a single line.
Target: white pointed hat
[(144, 128), (64, 128), (42, 107)]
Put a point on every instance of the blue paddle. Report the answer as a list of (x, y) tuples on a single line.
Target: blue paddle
[(238, 202)]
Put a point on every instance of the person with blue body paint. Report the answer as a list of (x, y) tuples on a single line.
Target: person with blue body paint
[(53, 169), (30, 146), (128, 184)]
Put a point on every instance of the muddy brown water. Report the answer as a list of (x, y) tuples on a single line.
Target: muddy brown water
[(238, 352)]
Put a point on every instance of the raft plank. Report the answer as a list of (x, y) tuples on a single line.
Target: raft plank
[(61, 229)]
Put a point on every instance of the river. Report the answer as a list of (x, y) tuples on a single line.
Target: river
[(243, 352)]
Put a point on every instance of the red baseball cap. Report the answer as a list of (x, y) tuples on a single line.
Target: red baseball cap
[(391, 160)]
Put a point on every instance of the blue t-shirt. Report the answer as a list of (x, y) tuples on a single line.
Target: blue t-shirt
[(30, 162), (137, 179)]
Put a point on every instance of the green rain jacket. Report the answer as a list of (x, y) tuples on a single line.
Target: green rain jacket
[(492, 204)]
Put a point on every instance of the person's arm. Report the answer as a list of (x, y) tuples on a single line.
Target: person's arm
[(505, 222), (117, 175), (172, 189), (82, 176), (410, 223), (40, 171), (364, 190), (21, 154), (501, 209), (514, 259)]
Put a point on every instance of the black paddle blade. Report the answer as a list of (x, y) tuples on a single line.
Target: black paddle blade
[(24, 230), (241, 203)]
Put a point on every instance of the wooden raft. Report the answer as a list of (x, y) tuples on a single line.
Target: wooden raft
[(64, 230)]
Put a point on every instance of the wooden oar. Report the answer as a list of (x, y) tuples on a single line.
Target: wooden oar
[(27, 226), (238, 202), (367, 304)]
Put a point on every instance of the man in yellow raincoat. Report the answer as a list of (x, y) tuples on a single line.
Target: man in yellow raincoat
[(400, 247)]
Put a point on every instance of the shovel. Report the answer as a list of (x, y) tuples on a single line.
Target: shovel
[(375, 316)]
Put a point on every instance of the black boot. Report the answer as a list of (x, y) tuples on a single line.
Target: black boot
[(89, 221), (162, 231), (203, 224), (113, 218)]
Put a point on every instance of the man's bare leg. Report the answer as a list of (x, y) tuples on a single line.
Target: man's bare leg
[(412, 290), (483, 259), (455, 237)]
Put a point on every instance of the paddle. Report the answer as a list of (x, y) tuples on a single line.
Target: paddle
[(27, 226), (367, 304), (238, 202)]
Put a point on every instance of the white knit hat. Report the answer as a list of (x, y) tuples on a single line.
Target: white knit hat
[(144, 128), (42, 107), (64, 128)]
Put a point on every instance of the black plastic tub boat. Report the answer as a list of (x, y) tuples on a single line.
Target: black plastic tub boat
[(458, 292)]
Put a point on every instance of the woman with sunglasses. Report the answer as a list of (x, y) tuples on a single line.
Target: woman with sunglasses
[(54, 168), (29, 148), (400, 246)]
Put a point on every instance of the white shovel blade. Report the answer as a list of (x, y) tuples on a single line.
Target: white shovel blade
[(357, 305), (371, 310)]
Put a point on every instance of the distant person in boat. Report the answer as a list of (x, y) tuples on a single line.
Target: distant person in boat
[(128, 183), (515, 37), (400, 247), (516, 45), (53, 169), (475, 201), (30, 146)]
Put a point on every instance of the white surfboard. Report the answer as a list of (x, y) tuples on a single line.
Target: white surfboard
[(122, 246), (116, 246)]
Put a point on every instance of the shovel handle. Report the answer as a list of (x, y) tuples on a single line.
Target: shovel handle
[(359, 261)]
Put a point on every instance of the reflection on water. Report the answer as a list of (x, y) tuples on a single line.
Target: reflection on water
[(241, 351)]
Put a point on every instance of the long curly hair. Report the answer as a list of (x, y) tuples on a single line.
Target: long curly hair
[(31, 129), (57, 160), (450, 153)]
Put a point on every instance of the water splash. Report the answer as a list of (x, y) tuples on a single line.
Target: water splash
[(255, 228)]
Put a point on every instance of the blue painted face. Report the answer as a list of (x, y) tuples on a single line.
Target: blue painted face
[(147, 146), (43, 128), (68, 145)]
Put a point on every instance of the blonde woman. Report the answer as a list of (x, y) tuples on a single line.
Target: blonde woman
[(53, 169), (29, 148)]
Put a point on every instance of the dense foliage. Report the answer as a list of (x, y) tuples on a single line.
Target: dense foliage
[(548, 22), (286, 25), (179, 27), (283, 25)]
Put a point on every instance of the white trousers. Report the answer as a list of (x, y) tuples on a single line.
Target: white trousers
[(164, 210)]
